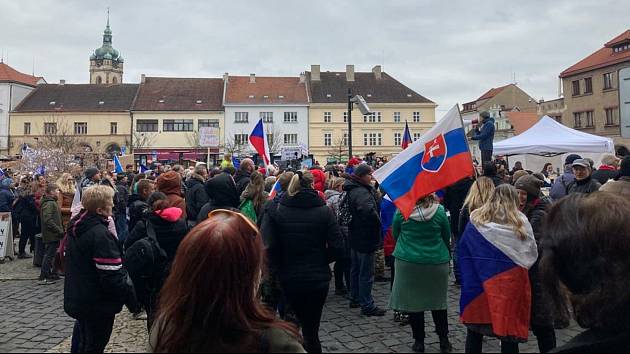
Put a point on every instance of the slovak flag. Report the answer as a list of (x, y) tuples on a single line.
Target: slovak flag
[(407, 140), (440, 158), (275, 190), (496, 289), (259, 142)]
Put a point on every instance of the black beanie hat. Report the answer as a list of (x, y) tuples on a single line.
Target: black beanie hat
[(624, 171), (571, 159), (362, 170), (91, 172), (530, 184)]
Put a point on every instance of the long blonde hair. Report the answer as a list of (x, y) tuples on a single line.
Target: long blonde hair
[(479, 194), (502, 209), (65, 186), (300, 181)]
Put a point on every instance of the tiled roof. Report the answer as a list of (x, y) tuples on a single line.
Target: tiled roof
[(8, 74), (265, 90), (180, 94), (79, 98), (493, 92), (601, 58), (333, 88), (522, 121)]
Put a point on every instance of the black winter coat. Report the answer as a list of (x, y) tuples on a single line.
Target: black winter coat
[(96, 283), (122, 199), (223, 195), (196, 196), (302, 238), (26, 209), (454, 201), (542, 309), (137, 210), (603, 176), (586, 186), (365, 228), (597, 341), (242, 180)]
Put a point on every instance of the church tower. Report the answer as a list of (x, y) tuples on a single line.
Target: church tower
[(106, 64)]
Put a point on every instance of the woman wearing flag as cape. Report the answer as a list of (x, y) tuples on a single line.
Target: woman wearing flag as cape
[(495, 253)]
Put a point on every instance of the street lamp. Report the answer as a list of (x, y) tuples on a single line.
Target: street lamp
[(363, 107)]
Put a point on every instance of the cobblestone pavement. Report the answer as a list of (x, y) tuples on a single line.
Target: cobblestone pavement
[(33, 320)]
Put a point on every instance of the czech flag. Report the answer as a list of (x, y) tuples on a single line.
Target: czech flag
[(407, 140), (495, 280), (275, 190), (440, 158), (259, 142)]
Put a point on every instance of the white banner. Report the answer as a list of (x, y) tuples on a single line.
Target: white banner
[(209, 137), (6, 236)]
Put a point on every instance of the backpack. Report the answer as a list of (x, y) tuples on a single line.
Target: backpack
[(142, 258), (247, 208), (344, 214)]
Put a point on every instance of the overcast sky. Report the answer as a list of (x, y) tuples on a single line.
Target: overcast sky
[(449, 51)]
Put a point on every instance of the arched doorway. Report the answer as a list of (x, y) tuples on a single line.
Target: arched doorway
[(113, 149)]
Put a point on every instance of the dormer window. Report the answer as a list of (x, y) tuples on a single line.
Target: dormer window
[(621, 48), (52, 103), (328, 95), (199, 101), (161, 101), (100, 103), (265, 97), (252, 96), (280, 97)]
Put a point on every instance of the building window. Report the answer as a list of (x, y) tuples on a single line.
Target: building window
[(416, 136), (327, 117), (50, 128), (372, 139), (27, 128), (241, 117), (396, 117), (208, 123), (590, 123), (290, 139), (80, 129), (416, 117), (397, 139), (576, 88), (290, 117), (608, 81), (327, 139), (578, 119), (241, 139), (345, 117), (558, 119), (178, 125), (267, 117), (374, 117), (588, 85), (147, 126), (611, 116), (113, 128)]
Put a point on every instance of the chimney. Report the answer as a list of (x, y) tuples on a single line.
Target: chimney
[(226, 76), (378, 72), (62, 82), (302, 78), (349, 72), (252, 78), (143, 78), (315, 73)]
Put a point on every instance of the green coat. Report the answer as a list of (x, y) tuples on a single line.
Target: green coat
[(423, 239), (52, 226)]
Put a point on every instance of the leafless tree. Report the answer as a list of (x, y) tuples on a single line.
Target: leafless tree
[(274, 139), (339, 150), (143, 140)]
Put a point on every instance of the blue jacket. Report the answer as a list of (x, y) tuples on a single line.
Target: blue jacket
[(6, 199), (486, 135), (560, 188)]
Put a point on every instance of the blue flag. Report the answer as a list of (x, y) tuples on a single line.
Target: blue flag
[(41, 170), (118, 165), (143, 168)]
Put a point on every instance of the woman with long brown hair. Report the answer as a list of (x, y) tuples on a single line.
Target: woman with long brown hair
[(254, 197), (67, 188), (209, 302)]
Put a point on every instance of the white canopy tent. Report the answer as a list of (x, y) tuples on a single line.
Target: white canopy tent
[(550, 138)]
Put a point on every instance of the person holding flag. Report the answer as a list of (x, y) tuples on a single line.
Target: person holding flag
[(258, 139)]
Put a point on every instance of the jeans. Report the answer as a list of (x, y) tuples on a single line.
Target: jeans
[(546, 336), (121, 228), (362, 280), (93, 334), (342, 274), (440, 318), (474, 344), (308, 304), (486, 156), (49, 255)]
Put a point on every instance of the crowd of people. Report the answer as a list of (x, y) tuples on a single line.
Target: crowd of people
[(242, 259)]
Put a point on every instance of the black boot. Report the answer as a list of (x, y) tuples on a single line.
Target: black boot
[(418, 346), (445, 345)]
